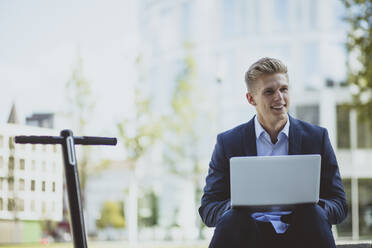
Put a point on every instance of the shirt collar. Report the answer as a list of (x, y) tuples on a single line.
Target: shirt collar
[(259, 129)]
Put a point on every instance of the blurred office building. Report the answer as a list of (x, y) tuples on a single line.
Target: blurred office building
[(30, 183), (225, 37), (107, 183)]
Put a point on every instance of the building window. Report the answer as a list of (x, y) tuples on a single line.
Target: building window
[(281, 15), (33, 185), (1, 141), (20, 204), (33, 165), (365, 207), (311, 62), (21, 184), (1, 204), (11, 205), (1, 182), (21, 164), (55, 148), (308, 113), (11, 184), (336, 62), (364, 131), (54, 187), (33, 147), (313, 14), (11, 143), (185, 21), (339, 13), (32, 206), (233, 13), (343, 127), (43, 186), (11, 163), (43, 207), (1, 161), (43, 166), (345, 228), (228, 17)]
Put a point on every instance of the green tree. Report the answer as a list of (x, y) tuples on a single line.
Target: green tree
[(112, 215), (359, 47), (186, 122), (189, 125), (138, 135), (81, 103)]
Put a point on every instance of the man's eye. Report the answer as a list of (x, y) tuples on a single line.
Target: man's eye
[(269, 91), (284, 89)]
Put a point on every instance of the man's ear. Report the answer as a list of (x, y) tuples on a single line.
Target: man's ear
[(250, 99)]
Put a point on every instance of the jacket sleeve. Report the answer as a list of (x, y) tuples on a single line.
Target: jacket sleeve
[(332, 195), (216, 198)]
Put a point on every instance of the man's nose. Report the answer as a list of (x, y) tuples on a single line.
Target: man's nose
[(278, 95)]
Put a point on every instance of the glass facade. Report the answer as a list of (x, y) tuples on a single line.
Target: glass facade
[(308, 113), (311, 65), (234, 18), (364, 130), (343, 127), (339, 14), (313, 14), (345, 228), (185, 29), (365, 207), (364, 134), (281, 15)]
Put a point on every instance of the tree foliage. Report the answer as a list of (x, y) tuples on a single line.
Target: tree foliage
[(79, 96), (111, 216), (359, 46), (187, 122), (140, 132), (81, 101)]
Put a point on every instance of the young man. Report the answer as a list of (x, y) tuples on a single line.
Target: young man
[(272, 132)]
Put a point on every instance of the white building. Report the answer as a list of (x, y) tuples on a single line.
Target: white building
[(30, 183)]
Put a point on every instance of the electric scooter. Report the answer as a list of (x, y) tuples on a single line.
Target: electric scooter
[(68, 142)]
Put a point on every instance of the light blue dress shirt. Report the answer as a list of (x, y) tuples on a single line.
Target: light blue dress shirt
[(266, 148)]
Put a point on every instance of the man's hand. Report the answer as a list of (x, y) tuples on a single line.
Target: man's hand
[(288, 217)]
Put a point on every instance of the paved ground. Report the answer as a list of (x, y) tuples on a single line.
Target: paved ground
[(116, 245), (199, 244)]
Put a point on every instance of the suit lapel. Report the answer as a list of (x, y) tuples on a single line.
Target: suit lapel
[(295, 138), (249, 139)]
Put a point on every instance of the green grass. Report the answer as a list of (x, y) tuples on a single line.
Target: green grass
[(37, 245)]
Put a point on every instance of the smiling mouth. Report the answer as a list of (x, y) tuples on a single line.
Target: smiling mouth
[(278, 107)]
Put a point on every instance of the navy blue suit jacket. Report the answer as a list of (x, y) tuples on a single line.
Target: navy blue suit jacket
[(304, 138)]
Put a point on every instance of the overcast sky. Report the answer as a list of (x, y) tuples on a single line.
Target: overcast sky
[(39, 45)]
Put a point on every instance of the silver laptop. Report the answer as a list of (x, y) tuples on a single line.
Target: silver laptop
[(274, 182)]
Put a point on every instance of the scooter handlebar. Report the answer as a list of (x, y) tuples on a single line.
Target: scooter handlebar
[(78, 140), (91, 140)]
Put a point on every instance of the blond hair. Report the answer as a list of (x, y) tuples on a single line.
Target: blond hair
[(264, 66)]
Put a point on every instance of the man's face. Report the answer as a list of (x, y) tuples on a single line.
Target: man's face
[(270, 97)]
